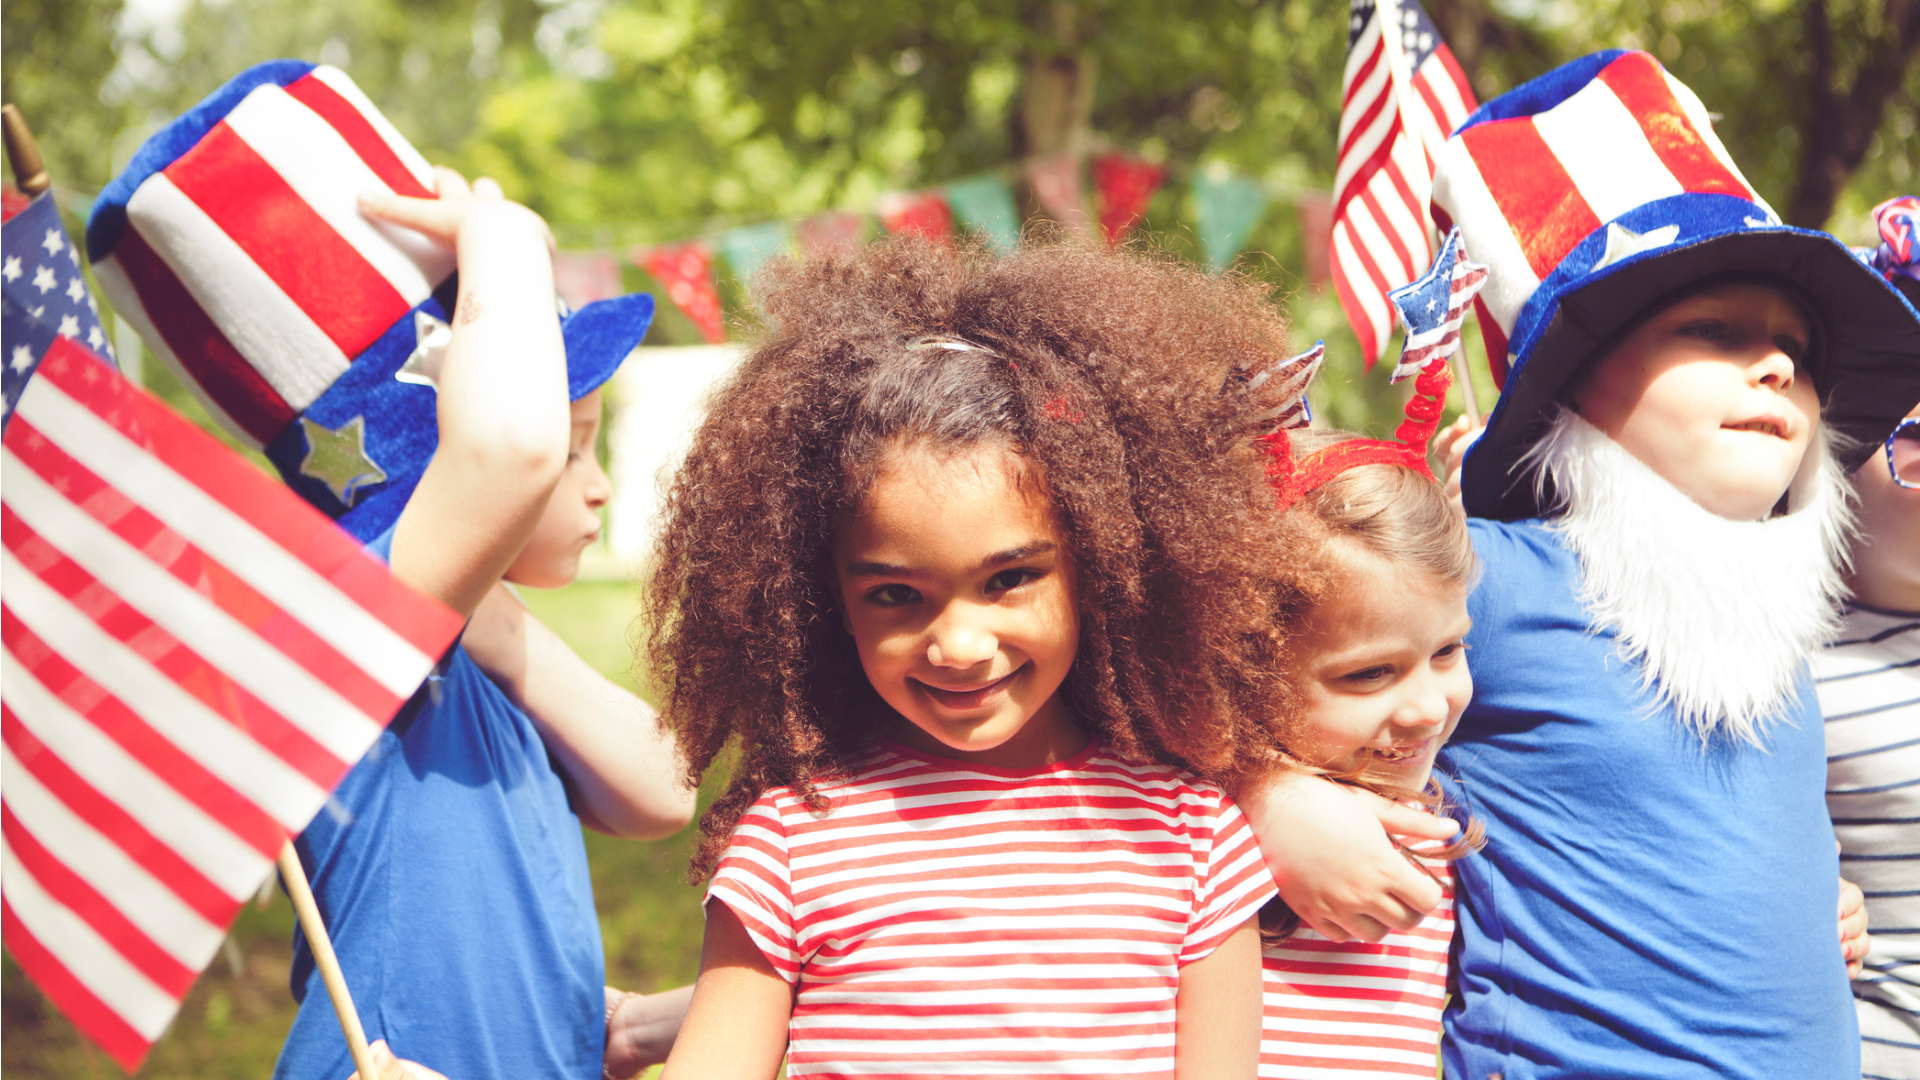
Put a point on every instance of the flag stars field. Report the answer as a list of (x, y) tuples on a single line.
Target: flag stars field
[(12, 271), (43, 279)]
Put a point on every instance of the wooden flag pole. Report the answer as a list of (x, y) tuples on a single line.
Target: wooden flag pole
[(295, 876), (28, 170), (1463, 375)]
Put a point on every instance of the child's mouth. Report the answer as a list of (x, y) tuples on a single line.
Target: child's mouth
[(1394, 755), (1765, 427), (962, 700)]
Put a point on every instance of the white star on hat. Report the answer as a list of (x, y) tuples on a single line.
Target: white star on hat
[(1624, 243)]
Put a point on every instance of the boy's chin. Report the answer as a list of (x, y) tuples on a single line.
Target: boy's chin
[(1738, 499), (543, 574)]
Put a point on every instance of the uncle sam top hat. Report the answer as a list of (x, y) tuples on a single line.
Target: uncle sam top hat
[(234, 244), (1596, 192)]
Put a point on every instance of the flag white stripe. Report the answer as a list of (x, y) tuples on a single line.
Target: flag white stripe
[(1396, 218), (1605, 154), (143, 899), (190, 617), (194, 835), (1703, 126), (395, 141), (280, 340), (1371, 300), (126, 304), (1440, 81), (1364, 146), (228, 538), (225, 750), (319, 165), (1371, 234), (87, 956), (1358, 98)]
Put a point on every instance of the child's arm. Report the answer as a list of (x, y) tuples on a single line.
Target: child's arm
[(1217, 1011), (737, 1024), (502, 387), (1326, 845), (622, 767)]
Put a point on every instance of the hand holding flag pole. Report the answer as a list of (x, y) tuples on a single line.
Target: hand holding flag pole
[(193, 658)]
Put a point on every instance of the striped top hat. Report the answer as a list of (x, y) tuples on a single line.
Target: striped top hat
[(234, 244), (1596, 194)]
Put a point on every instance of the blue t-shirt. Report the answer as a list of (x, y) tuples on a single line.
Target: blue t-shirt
[(1645, 906), (452, 876)]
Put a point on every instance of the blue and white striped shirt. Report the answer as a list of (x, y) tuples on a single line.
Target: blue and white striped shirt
[(1869, 686)]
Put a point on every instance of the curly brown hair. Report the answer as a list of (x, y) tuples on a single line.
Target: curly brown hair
[(1108, 377)]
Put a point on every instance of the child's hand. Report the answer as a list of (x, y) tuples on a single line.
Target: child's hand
[(1451, 444), (1854, 941), (641, 1029), (462, 213), (388, 1067), (1327, 847)]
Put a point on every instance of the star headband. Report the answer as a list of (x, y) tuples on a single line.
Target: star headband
[(1293, 479)]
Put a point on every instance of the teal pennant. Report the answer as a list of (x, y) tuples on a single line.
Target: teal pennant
[(339, 459)]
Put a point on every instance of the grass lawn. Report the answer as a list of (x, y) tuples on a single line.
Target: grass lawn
[(233, 1022)]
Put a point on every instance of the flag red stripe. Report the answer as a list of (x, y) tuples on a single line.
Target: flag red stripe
[(1546, 212), (305, 533), (95, 910), (1416, 207), (1445, 55), (1408, 270), (1637, 82), (1495, 340), (91, 1015), (1434, 108), (359, 133), (114, 719), (1366, 71), (231, 593), (197, 343), (1360, 129), (351, 302), (154, 855), (1381, 155), (170, 657)]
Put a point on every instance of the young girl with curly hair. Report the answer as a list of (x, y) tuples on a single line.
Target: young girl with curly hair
[(973, 565)]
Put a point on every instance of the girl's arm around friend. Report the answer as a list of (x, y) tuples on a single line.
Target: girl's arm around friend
[(736, 1027), (1218, 1011)]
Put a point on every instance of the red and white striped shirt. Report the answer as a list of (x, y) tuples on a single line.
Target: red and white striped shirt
[(949, 919), (1358, 1008)]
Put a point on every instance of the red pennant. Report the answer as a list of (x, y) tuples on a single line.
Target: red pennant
[(923, 213), (581, 277), (833, 233), (1055, 180), (685, 270), (1316, 236), (1125, 183)]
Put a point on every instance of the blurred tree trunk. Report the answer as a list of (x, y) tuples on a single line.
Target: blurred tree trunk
[(1841, 119), (1056, 99)]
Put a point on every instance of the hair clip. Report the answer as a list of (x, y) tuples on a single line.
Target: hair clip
[(950, 343)]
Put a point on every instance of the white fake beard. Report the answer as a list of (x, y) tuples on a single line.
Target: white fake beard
[(1720, 615)]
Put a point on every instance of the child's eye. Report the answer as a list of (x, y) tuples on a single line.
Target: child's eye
[(1367, 676), (1708, 330), (1793, 348), (1010, 579), (893, 595), (1448, 652)]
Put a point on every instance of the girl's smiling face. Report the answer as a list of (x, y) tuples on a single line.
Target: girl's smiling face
[(955, 582), (1384, 679)]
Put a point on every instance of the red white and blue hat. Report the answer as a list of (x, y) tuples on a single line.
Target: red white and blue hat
[(234, 244), (1597, 192)]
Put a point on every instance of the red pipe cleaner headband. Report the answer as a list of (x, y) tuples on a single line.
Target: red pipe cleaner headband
[(1293, 479)]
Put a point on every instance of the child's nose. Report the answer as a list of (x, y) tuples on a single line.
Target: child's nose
[(957, 641), (1425, 708), (1773, 369), (599, 488)]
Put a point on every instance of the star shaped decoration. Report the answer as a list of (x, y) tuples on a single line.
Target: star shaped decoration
[(1623, 243), (22, 361), (12, 270), (1433, 306), (75, 290), (338, 458), (44, 280), (423, 365), (70, 326), (53, 242)]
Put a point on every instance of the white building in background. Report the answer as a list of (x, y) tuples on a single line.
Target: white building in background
[(658, 397)]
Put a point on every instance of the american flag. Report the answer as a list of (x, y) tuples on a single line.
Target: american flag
[(1403, 93), (191, 657), (1433, 307), (41, 283)]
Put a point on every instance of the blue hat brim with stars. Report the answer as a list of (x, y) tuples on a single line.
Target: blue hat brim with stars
[(359, 450)]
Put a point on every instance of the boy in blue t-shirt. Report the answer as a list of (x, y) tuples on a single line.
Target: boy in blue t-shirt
[(1658, 505)]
